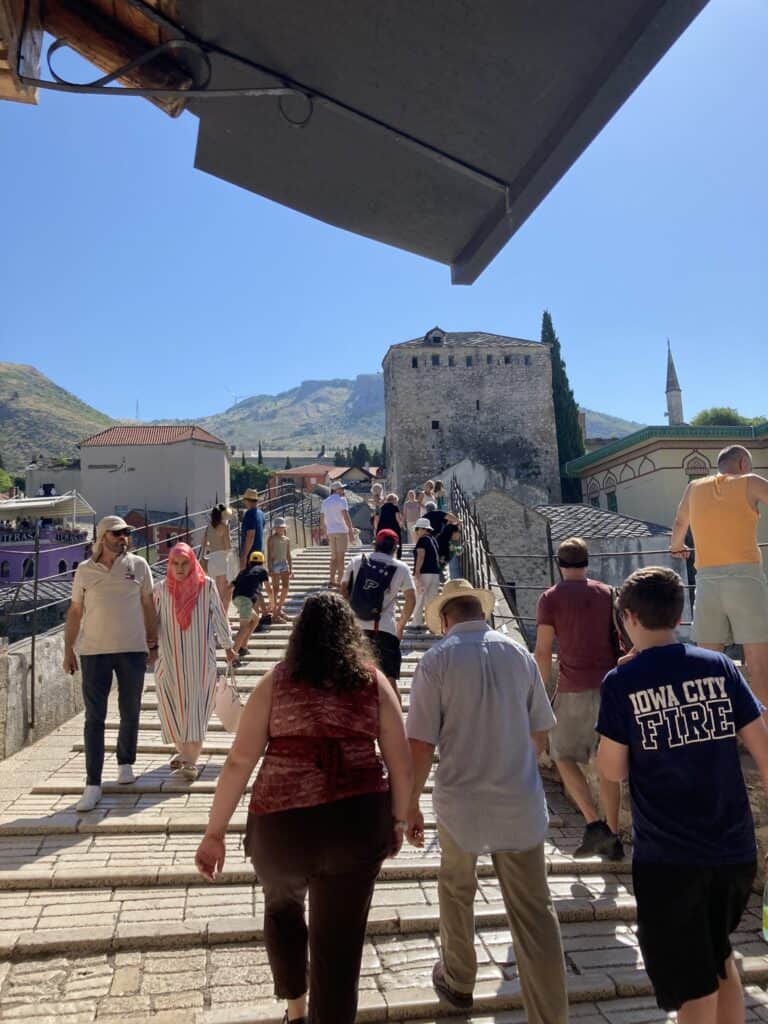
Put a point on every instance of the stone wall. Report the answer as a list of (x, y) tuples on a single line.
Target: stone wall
[(57, 696), (489, 401), (517, 538)]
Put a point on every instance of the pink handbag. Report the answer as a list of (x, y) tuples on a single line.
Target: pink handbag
[(228, 702)]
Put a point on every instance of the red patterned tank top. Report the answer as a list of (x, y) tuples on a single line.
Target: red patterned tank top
[(321, 746)]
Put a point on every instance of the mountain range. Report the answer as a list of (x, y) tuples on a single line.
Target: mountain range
[(37, 417)]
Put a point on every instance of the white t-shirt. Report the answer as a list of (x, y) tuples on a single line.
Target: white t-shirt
[(402, 580), (332, 508)]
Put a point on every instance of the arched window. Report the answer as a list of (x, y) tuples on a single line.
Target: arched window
[(74, 566), (5, 570), (62, 567), (28, 568)]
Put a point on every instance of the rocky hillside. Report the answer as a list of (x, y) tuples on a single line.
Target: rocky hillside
[(37, 416), (329, 412)]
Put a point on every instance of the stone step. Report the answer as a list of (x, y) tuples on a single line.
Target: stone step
[(92, 861), (78, 920)]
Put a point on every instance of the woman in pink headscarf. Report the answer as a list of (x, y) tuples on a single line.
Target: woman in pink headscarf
[(191, 624)]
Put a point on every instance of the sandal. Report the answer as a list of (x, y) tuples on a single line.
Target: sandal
[(176, 762), (189, 771)]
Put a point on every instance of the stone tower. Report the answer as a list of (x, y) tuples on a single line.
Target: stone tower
[(674, 392), (483, 397)]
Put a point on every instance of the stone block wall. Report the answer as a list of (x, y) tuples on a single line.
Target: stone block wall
[(490, 401), (57, 696)]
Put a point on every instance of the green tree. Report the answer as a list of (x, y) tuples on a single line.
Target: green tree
[(6, 483), (724, 416), (338, 458), (242, 458), (384, 452), (260, 458), (570, 443), (288, 463), (248, 475)]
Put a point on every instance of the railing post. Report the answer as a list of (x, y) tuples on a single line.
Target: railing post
[(146, 533), (33, 654)]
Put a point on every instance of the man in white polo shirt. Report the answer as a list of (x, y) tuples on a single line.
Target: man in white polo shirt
[(336, 525), (112, 621)]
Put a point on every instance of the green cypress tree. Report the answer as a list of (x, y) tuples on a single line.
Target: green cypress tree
[(288, 463), (570, 443), (384, 453), (260, 459)]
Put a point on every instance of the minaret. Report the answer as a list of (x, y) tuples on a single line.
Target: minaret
[(674, 393)]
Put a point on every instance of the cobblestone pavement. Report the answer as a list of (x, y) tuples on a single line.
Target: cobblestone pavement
[(103, 918)]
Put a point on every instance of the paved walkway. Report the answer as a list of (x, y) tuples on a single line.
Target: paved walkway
[(103, 917)]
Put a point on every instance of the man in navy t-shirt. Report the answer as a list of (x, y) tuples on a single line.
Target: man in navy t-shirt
[(669, 718), (252, 527)]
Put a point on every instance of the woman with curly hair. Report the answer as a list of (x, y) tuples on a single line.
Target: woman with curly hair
[(323, 813)]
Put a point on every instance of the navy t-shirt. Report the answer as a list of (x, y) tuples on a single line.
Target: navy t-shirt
[(678, 708), (253, 520)]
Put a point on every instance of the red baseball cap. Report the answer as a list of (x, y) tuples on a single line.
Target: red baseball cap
[(387, 535)]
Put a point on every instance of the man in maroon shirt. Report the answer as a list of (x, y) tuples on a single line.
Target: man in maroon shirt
[(578, 612)]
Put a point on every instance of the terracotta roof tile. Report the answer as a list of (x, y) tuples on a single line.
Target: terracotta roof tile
[(141, 435)]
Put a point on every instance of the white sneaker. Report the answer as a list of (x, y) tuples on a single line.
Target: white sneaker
[(89, 799), (125, 774)]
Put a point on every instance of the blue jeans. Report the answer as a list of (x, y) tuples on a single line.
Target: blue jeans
[(97, 672)]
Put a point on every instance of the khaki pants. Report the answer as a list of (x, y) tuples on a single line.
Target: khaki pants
[(532, 921)]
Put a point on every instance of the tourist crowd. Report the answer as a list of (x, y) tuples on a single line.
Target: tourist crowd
[(342, 773)]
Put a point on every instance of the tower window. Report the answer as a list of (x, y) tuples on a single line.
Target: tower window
[(477, 404), (507, 360), (451, 361), (435, 360), (594, 501), (435, 424), (610, 498), (489, 360), (414, 362), (469, 360), (527, 360)]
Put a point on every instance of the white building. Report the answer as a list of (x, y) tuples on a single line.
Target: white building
[(168, 467)]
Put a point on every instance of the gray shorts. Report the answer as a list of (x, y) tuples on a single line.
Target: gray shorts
[(731, 605), (573, 737)]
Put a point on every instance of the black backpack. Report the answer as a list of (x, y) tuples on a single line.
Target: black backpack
[(366, 595)]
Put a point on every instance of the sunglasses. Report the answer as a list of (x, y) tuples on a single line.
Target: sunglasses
[(121, 533)]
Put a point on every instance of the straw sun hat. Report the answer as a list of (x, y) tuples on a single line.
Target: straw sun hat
[(451, 590)]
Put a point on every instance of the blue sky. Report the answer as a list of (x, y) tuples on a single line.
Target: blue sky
[(125, 274)]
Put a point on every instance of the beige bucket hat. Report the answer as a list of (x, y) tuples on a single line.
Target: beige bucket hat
[(451, 590)]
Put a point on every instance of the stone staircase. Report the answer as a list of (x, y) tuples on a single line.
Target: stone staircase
[(103, 916)]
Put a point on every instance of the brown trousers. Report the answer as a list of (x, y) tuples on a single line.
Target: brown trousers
[(332, 852), (532, 921)]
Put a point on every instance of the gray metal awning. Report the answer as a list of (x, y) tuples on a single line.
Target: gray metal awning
[(436, 126)]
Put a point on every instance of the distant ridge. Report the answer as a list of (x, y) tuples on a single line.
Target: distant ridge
[(39, 417)]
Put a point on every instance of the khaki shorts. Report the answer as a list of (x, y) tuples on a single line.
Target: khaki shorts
[(731, 605), (573, 737), (338, 543)]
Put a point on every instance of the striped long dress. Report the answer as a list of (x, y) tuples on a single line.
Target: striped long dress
[(185, 675)]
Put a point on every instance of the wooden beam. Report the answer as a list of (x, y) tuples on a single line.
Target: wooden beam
[(108, 46), (11, 16)]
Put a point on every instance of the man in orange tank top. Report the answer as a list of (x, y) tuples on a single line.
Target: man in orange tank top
[(731, 591)]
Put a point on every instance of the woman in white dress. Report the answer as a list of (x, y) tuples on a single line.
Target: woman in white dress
[(191, 624)]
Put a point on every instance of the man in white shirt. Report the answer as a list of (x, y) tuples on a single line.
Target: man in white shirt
[(336, 525), (479, 698), (112, 621), (386, 633)]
